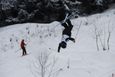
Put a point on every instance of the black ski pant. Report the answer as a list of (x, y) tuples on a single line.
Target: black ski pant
[(24, 51), (68, 27)]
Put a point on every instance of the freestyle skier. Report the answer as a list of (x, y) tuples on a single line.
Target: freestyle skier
[(66, 34)]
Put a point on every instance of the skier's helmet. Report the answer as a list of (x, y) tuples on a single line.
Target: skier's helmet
[(63, 44)]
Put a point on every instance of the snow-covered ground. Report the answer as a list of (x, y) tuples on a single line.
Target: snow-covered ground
[(79, 59)]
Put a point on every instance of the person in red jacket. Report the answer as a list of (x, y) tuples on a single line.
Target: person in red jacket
[(22, 45)]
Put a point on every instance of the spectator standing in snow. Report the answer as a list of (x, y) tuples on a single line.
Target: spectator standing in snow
[(66, 34), (22, 45)]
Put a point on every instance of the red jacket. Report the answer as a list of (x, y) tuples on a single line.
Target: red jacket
[(22, 45)]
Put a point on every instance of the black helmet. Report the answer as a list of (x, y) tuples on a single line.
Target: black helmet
[(63, 44)]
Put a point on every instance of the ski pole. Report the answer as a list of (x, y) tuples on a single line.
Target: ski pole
[(78, 30)]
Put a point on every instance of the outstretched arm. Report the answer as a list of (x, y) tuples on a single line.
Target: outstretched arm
[(59, 47), (25, 44), (72, 39)]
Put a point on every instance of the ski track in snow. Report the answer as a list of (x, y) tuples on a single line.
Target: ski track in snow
[(82, 57)]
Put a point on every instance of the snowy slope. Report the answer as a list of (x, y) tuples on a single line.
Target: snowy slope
[(77, 60)]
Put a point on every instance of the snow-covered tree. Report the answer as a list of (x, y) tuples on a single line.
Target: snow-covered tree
[(22, 15), (46, 66), (8, 4), (49, 10)]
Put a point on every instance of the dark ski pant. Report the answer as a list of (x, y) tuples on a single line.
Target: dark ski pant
[(67, 24), (24, 51), (68, 27)]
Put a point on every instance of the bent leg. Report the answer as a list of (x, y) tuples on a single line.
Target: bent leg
[(64, 25), (22, 51)]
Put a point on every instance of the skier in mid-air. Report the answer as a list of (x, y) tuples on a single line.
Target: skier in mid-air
[(66, 34)]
